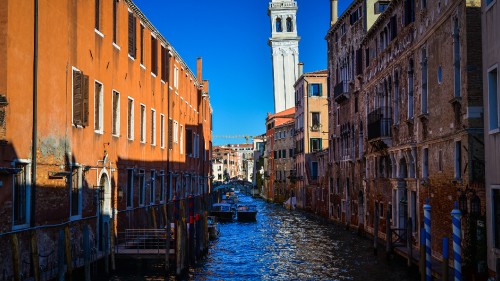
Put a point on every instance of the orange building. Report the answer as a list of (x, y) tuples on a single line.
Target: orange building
[(101, 124)]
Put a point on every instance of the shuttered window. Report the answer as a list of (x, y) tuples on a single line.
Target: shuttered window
[(116, 114), (97, 13), (154, 56), (164, 64), (170, 133), (131, 35), (162, 131), (115, 19), (153, 127), (143, 123), (98, 107), (80, 98), (142, 44), (189, 142)]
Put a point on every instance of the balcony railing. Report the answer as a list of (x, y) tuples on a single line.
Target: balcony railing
[(379, 123), (341, 90)]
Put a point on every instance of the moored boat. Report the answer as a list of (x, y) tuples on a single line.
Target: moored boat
[(223, 211), (247, 212)]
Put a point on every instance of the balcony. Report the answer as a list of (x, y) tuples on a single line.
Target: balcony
[(341, 91), (379, 123)]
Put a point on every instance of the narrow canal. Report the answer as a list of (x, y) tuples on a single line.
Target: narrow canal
[(288, 245)]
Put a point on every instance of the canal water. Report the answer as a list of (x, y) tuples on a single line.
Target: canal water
[(287, 245)]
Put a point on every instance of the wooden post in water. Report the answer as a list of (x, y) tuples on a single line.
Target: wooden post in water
[(86, 251), (205, 230), (112, 244), (153, 217), (67, 243), (60, 256), (375, 232), (408, 243), (445, 263), (422, 254), (388, 234), (168, 238), (16, 262), (34, 256)]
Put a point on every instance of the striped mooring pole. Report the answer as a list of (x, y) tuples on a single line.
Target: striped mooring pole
[(427, 225), (456, 216)]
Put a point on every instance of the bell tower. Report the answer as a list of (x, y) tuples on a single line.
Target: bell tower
[(284, 43)]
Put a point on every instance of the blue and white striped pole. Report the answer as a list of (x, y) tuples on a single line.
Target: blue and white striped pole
[(456, 216), (427, 225)]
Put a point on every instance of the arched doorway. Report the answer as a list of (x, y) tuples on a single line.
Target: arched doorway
[(104, 211)]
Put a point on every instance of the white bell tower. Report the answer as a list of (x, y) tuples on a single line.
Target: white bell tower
[(284, 44)]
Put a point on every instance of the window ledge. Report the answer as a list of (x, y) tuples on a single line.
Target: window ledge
[(116, 46), (20, 226), (131, 57), (98, 33), (455, 100), (494, 131), (177, 93), (143, 67), (130, 139), (75, 218), (152, 74), (116, 135), (99, 132), (163, 82)]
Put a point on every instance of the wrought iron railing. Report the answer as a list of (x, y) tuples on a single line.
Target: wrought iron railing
[(340, 89), (379, 123)]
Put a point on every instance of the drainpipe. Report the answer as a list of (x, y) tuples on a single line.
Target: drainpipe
[(35, 110)]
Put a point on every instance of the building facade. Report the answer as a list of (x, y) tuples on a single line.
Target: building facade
[(491, 60), (311, 125), (409, 125), (114, 125), (284, 43), (284, 145)]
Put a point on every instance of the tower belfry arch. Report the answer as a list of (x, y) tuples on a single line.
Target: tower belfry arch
[(284, 43)]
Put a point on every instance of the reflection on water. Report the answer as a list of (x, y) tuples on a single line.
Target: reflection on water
[(288, 245)]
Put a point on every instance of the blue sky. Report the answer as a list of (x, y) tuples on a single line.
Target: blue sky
[(231, 37)]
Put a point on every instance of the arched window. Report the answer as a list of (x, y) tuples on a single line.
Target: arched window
[(279, 28), (289, 26)]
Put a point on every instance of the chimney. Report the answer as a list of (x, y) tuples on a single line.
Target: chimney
[(198, 69), (301, 68), (333, 13)]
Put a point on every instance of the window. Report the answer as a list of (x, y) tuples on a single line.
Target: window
[(440, 75), (115, 128), (98, 107), (162, 131), (161, 180), (289, 25), (314, 170), (410, 90), (189, 142), (130, 119), (458, 160), (456, 57), (97, 14), (315, 90), (275, 154), (440, 161), (143, 123), (131, 35), (176, 132), (496, 214), (356, 15), (75, 188), (153, 127), (80, 98), (142, 188), (315, 118), (423, 4), (176, 77), (409, 6), (279, 27), (21, 195), (381, 6), (154, 55), (425, 163), (493, 100), (315, 144), (115, 20), (488, 2), (424, 81), (181, 136), (283, 153), (142, 44), (130, 188), (152, 192), (164, 64)]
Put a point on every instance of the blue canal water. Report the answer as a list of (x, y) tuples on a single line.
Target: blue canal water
[(288, 245)]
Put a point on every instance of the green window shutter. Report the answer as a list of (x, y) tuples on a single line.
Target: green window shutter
[(320, 90), (310, 90)]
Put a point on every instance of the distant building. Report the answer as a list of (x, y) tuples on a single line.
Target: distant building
[(273, 121), (284, 43), (311, 129), (284, 144)]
